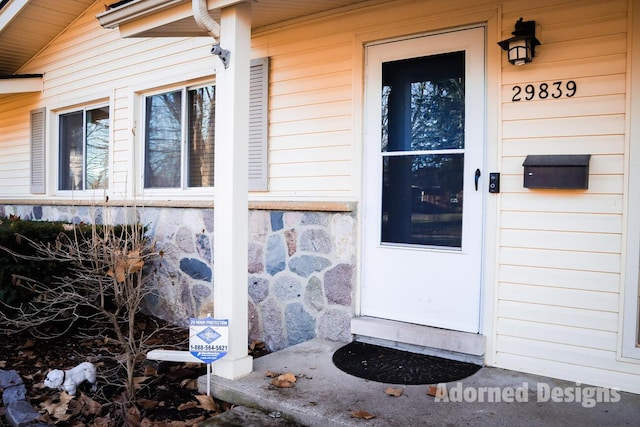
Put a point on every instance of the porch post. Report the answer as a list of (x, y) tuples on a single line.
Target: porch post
[(231, 186)]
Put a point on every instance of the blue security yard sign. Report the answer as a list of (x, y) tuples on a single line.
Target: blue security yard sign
[(208, 338)]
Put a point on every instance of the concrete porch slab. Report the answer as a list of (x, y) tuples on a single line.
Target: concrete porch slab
[(325, 396)]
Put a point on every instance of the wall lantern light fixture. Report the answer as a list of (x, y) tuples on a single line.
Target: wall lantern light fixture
[(521, 47)]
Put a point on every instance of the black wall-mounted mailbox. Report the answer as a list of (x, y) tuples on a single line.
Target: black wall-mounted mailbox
[(565, 171)]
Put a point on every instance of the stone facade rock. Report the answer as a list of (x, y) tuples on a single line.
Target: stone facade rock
[(338, 284), (258, 289), (315, 240), (203, 245), (291, 237), (276, 256), (184, 240), (301, 267), (335, 325), (256, 257), (314, 296), (273, 328), (196, 269), (301, 326), (287, 288), (305, 265)]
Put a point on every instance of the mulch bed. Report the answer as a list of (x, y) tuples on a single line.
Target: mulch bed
[(167, 392)]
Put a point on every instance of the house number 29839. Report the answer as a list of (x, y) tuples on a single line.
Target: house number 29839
[(553, 90)]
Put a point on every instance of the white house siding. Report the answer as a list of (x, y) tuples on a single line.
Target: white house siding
[(14, 149), (559, 254), (310, 130), (559, 275)]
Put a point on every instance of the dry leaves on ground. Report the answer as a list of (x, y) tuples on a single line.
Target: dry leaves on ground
[(436, 391), (362, 415), (281, 380), (396, 392)]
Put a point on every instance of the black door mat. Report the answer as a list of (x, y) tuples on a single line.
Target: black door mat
[(393, 366)]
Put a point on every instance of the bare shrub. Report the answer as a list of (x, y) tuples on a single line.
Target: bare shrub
[(111, 269)]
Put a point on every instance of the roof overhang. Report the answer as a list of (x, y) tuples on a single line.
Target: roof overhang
[(21, 83), (174, 18), (158, 18)]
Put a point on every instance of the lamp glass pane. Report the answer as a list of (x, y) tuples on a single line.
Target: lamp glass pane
[(518, 50)]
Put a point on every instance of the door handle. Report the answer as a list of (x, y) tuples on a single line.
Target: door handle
[(477, 177)]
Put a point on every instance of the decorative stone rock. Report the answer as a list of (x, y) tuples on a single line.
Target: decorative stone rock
[(338, 284), (20, 413), (196, 269), (314, 295), (13, 394), (287, 288), (258, 289), (184, 240), (255, 334), (207, 219), (292, 219), (259, 226), (291, 236), (315, 241), (343, 232), (201, 292), (276, 221), (203, 245), (187, 299), (301, 326), (314, 218), (9, 379), (150, 219), (255, 264), (37, 212), (306, 264), (190, 217), (335, 325), (276, 255), (273, 327)]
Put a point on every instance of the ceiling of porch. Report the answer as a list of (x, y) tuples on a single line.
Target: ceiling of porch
[(27, 26)]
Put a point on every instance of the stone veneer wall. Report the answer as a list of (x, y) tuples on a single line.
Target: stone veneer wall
[(301, 266)]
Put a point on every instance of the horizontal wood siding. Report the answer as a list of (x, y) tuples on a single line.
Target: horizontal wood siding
[(311, 138), (14, 144), (559, 268)]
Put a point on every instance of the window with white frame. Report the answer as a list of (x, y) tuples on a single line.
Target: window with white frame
[(179, 131), (83, 159), (179, 138)]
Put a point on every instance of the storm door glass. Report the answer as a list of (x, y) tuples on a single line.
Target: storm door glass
[(423, 150)]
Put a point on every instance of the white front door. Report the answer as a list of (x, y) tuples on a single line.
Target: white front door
[(424, 180)]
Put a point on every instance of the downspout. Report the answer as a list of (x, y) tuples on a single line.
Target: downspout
[(204, 20), (206, 23)]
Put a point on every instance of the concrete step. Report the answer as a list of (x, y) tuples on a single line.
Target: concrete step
[(454, 345)]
